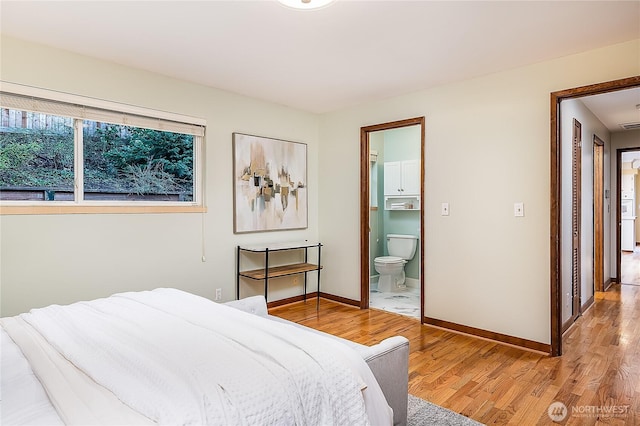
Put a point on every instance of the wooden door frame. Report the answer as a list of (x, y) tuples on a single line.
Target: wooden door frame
[(598, 214), (365, 182), (556, 195)]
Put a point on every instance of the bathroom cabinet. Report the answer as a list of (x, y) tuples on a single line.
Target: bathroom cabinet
[(402, 177), (267, 271), (402, 185)]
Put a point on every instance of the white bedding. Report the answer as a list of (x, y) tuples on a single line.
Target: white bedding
[(243, 369), (22, 399)]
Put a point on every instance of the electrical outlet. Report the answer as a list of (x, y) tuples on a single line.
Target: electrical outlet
[(296, 280), (218, 294)]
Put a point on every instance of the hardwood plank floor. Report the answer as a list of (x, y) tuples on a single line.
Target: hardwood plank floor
[(598, 378)]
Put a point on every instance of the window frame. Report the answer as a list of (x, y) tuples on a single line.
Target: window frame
[(78, 205)]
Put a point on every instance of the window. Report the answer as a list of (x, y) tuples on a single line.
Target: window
[(36, 156), (132, 163), (92, 154)]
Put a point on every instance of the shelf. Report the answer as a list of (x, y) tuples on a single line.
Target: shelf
[(268, 272), (280, 271), (408, 202)]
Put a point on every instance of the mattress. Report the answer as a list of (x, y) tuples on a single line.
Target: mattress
[(170, 357)]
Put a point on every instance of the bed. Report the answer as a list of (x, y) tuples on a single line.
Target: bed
[(170, 357)]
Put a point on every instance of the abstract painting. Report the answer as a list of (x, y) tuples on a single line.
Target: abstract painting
[(270, 184)]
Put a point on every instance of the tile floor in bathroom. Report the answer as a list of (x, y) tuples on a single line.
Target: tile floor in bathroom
[(405, 302)]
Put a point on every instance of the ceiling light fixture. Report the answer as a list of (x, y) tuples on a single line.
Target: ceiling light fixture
[(306, 4)]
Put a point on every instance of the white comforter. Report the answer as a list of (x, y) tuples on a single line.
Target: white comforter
[(170, 357)]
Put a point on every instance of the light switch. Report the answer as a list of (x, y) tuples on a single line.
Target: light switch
[(518, 209), (445, 209)]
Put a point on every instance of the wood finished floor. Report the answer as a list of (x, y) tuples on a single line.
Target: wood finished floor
[(499, 384)]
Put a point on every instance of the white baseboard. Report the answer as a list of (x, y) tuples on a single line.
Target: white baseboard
[(412, 282)]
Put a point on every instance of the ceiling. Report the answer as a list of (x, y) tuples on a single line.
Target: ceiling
[(615, 109), (352, 52)]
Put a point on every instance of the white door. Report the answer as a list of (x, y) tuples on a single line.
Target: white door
[(393, 178), (411, 177)]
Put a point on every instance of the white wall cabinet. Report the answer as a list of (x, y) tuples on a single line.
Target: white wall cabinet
[(402, 177)]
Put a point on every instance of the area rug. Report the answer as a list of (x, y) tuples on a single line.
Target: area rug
[(421, 412)]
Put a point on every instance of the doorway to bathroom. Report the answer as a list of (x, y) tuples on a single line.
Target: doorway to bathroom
[(392, 216)]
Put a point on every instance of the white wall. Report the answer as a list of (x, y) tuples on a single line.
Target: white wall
[(570, 109), (64, 258), (483, 267)]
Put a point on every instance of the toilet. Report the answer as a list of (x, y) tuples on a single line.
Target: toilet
[(391, 268)]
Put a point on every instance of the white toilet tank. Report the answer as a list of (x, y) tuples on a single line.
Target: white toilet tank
[(403, 246)]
